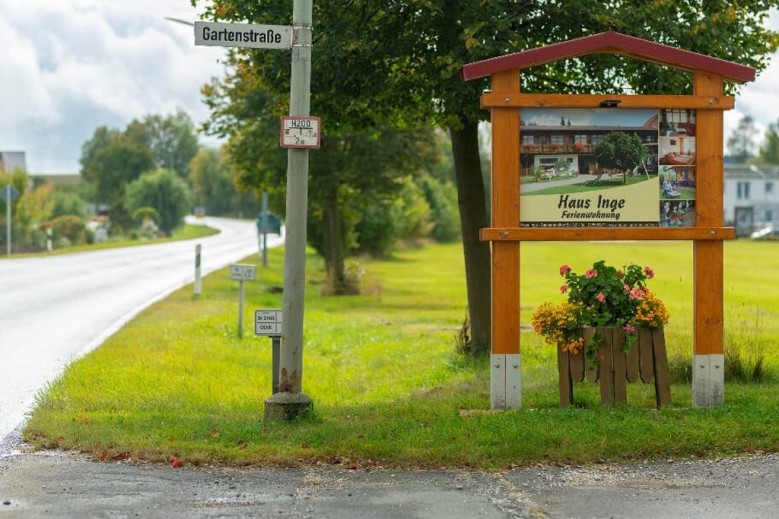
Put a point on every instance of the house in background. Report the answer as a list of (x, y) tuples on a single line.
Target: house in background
[(12, 160), (751, 198)]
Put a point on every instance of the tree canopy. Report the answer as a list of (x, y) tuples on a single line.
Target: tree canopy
[(397, 62)]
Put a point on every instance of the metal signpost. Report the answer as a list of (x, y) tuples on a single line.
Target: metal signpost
[(268, 322), (241, 273), (290, 402)]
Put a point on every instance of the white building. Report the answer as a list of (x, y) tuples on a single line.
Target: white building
[(751, 198), (12, 160)]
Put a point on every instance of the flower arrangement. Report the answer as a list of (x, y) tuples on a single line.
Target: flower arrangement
[(601, 297)]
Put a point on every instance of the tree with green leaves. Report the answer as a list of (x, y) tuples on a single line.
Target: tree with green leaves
[(397, 62), (112, 159), (620, 151), (741, 142), (769, 151), (172, 139), (165, 192)]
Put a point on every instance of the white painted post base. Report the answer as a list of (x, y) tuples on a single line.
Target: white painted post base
[(506, 381), (708, 380)]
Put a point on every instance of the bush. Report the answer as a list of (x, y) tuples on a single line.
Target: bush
[(444, 211), (164, 191), (69, 229)]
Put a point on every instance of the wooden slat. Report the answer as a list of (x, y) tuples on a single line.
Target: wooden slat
[(613, 43), (606, 367), (493, 99), (564, 377), (662, 377), (645, 354), (505, 211), (708, 267), (605, 233), (577, 367), (590, 370), (620, 379), (631, 363)]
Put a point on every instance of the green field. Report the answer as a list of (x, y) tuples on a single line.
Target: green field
[(388, 387)]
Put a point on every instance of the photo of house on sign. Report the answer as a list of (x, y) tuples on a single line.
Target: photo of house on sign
[(602, 166)]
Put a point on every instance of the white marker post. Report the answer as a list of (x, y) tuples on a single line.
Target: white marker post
[(9, 194), (198, 281), (241, 273)]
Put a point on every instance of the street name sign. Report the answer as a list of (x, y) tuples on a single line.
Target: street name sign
[(300, 132), (267, 322), (240, 272), (220, 34)]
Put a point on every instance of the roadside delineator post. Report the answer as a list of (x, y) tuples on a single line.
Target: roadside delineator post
[(507, 230)]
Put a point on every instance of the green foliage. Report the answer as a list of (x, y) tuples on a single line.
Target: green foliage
[(69, 230), (68, 203), (621, 151), (441, 196), (145, 213), (741, 143), (163, 190), (110, 160), (172, 139), (769, 151), (214, 188)]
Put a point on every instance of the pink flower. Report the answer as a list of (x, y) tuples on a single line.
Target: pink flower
[(626, 288), (600, 297), (591, 273), (637, 293), (564, 269), (629, 328), (564, 289), (649, 272)]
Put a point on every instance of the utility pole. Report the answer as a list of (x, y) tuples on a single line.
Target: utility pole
[(290, 402)]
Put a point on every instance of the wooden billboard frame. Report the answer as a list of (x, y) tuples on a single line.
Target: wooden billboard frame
[(505, 101)]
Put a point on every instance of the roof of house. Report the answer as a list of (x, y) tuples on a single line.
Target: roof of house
[(770, 171), (615, 43)]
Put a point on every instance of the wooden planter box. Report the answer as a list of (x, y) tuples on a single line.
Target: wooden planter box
[(646, 360)]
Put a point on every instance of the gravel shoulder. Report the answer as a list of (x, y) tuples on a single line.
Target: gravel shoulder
[(57, 484)]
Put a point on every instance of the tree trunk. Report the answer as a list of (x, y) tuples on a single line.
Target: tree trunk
[(473, 216), (332, 238)]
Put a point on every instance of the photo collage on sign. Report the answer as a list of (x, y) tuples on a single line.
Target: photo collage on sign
[(607, 167), (677, 169)]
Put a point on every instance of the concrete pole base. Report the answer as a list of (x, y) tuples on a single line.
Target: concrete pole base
[(285, 407)]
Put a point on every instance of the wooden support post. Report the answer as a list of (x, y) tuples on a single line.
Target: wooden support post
[(708, 336), (506, 385)]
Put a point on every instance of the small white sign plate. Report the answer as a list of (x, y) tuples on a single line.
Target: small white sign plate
[(300, 132), (220, 34), (267, 322), (240, 272)]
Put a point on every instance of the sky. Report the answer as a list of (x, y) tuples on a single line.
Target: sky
[(68, 67)]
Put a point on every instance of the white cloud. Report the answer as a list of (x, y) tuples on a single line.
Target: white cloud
[(69, 66), (759, 98), (79, 64)]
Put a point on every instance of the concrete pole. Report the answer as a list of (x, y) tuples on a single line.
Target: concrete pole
[(290, 402), (264, 224), (198, 280)]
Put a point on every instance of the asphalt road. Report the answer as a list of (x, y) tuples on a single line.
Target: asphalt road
[(58, 308), (55, 484)]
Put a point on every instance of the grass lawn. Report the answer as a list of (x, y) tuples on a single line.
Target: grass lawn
[(389, 389)]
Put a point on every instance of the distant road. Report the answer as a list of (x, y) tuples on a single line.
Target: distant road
[(56, 309)]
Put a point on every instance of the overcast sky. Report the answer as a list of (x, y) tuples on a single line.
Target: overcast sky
[(70, 66)]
